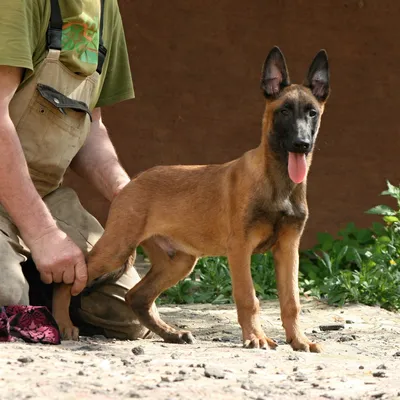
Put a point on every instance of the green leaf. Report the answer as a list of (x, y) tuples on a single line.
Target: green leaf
[(381, 210), (325, 239), (340, 256), (390, 219), (392, 191), (378, 228), (364, 235), (384, 239)]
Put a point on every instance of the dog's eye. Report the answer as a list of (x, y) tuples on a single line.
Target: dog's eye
[(312, 113), (285, 112)]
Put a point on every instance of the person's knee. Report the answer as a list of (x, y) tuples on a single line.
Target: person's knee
[(105, 309), (14, 289)]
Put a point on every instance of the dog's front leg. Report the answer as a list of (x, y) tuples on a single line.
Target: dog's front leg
[(247, 304), (286, 256), (60, 306)]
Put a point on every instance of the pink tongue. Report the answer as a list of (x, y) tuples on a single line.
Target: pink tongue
[(297, 167)]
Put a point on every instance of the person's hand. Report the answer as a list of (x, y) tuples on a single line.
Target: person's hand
[(59, 259)]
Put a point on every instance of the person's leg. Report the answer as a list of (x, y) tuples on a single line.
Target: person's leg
[(103, 310), (14, 288)]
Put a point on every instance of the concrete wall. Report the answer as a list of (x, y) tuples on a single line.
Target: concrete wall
[(196, 67)]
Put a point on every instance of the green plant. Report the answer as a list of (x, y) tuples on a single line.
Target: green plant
[(210, 282), (361, 265)]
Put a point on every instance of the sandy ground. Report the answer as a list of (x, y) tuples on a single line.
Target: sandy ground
[(361, 361)]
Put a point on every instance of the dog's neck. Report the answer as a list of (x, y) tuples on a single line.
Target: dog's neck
[(275, 168)]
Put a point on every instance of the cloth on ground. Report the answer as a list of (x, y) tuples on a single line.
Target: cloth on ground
[(33, 324)]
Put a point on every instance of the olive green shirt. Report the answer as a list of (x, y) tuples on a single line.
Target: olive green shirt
[(23, 42)]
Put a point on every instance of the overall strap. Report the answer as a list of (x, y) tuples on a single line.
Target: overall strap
[(54, 32)]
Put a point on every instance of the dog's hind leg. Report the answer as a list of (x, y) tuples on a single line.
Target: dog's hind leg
[(165, 272)]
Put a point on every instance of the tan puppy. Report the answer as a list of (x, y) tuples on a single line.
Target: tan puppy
[(249, 205)]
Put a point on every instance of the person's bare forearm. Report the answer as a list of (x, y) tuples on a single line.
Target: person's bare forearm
[(97, 161), (18, 195)]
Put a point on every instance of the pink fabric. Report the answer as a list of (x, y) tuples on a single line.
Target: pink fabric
[(34, 324)]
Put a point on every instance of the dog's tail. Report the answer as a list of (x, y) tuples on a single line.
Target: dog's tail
[(108, 277)]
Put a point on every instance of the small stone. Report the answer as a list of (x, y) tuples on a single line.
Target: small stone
[(245, 386), (292, 357), (126, 363), (25, 360), (382, 366), (361, 367), (349, 321), (300, 377), (279, 342), (345, 338), (224, 339), (259, 365), (138, 351), (252, 371), (379, 374), (166, 379), (295, 368), (397, 354), (134, 395), (81, 373), (99, 337), (211, 372), (182, 372), (315, 385), (174, 356), (333, 327), (319, 368), (377, 395), (179, 378)]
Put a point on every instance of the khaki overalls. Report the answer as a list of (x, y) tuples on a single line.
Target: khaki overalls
[(52, 116)]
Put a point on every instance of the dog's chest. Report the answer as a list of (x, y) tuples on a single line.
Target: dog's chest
[(267, 220)]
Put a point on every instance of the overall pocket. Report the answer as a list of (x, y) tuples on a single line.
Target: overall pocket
[(52, 130)]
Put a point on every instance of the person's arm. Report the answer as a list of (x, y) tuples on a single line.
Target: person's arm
[(56, 257), (97, 161)]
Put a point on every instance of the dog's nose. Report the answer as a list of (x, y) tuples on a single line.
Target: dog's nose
[(302, 145)]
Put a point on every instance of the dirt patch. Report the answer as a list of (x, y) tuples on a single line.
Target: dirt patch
[(360, 361)]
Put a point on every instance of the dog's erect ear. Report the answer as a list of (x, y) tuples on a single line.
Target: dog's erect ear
[(275, 75), (318, 76)]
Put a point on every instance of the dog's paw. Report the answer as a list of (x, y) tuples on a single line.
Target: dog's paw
[(259, 341), (303, 344), (69, 332), (181, 337)]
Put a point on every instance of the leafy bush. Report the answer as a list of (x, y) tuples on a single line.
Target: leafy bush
[(210, 282), (360, 265)]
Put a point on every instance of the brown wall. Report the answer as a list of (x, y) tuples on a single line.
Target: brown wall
[(196, 67)]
